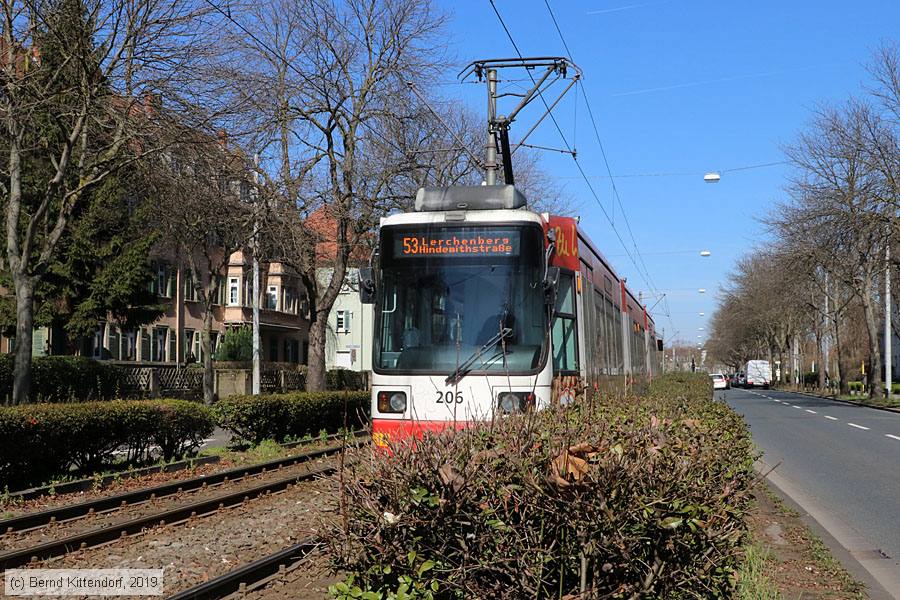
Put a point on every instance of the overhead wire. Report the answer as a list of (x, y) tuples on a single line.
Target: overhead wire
[(569, 148), (646, 274)]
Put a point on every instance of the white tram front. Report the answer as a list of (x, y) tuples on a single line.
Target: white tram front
[(484, 308), (461, 312)]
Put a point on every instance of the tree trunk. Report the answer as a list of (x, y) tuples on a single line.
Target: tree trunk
[(820, 360), (875, 388), (24, 331), (315, 375), (844, 385), (206, 349)]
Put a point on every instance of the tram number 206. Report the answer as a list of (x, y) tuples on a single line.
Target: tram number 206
[(448, 397)]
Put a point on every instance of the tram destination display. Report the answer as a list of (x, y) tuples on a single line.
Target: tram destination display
[(457, 243)]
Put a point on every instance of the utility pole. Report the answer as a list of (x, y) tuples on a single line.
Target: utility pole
[(255, 389), (888, 356), (827, 335), (490, 168), (543, 72)]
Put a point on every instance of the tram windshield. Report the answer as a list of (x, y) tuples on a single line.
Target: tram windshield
[(448, 290)]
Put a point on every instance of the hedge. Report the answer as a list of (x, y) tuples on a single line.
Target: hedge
[(65, 379), (345, 379), (279, 416), (39, 441), (646, 495)]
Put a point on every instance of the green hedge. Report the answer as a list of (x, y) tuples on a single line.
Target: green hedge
[(65, 379), (40, 441), (345, 379), (649, 493), (278, 416)]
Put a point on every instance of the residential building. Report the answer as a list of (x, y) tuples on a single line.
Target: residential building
[(174, 338), (350, 329)]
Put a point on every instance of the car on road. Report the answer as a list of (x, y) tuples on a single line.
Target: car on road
[(719, 381)]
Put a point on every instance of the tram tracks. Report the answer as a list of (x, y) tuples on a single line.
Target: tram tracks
[(252, 575), (52, 533)]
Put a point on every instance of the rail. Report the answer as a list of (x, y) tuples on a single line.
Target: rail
[(248, 574)]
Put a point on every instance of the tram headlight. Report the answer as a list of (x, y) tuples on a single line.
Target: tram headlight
[(391, 402)]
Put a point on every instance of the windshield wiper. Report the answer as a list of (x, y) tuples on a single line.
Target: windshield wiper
[(466, 366)]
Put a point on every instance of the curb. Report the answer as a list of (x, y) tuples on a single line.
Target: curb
[(850, 402), (879, 584)]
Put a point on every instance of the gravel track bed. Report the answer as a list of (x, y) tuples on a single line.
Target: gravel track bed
[(59, 530), (309, 580), (14, 508), (211, 545)]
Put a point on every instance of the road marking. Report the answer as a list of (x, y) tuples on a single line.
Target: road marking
[(893, 437), (857, 426), (811, 411), (795, 406), (831, 418)]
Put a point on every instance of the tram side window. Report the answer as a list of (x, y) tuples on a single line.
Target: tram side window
[(620, 355), (565, 346), (601, 333)]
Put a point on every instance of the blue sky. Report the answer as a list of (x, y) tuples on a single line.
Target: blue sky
[(678, 88)]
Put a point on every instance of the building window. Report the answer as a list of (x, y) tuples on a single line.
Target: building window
[(129, 345), (234, 291), (189, 355), (291, 351), (272, 298), (197, 347), (158, 344), (97, 342), (291, 300), (165, 280), (146, 345), (273, 349), (343, 321), (113, 337), (190, 292)]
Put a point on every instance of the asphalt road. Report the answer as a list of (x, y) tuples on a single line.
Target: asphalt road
[(843, 459)]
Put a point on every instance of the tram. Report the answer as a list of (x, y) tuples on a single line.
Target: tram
[(484, 308)]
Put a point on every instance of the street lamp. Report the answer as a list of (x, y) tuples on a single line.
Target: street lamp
[(702, 314), (712, 177), (702, 290), (705, 253)]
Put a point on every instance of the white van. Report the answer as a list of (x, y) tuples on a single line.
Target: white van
[(758, 373)]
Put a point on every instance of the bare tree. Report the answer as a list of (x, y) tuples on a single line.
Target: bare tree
[(329, 78), (76, 78), (207, 212), (838, 201)]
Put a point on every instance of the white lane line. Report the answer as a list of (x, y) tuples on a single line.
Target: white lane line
[(857, 426), (892, 436), (795, 406), (811, 411), (831, 418)]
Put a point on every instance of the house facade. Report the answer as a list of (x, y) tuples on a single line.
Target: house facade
[(174, 338), (348, 344)]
